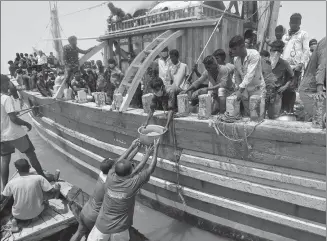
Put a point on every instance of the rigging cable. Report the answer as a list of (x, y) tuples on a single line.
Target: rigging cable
[(89, 8), (38, 41), (62, 29)]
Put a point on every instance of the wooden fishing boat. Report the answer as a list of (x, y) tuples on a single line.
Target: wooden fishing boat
[(244, 180), (56, 217)]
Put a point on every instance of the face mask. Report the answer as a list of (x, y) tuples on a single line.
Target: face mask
[(159, 93), (274, 57)]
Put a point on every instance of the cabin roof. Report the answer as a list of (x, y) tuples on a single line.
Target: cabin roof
[(195, 14), (163, 27)]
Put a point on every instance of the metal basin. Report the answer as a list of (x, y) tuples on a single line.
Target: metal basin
[(289, 117), (150, 133)]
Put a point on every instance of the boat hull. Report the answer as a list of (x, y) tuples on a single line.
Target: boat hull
[(270, 187)]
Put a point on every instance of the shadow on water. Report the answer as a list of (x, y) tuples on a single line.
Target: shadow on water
[(175, 231), (66, 234)]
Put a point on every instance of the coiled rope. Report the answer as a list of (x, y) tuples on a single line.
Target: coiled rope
[(7, 229), (219, 124)]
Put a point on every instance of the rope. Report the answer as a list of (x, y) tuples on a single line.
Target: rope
[(30, 109), (215, 124), (9, 234), (38, 41), (177, 158), (89, 8), (62, 29)]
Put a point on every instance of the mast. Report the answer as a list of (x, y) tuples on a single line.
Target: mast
[(268, 15), (55, 31)]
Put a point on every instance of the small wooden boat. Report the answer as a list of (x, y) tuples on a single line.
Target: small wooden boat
[(57, 222), (56, 217)]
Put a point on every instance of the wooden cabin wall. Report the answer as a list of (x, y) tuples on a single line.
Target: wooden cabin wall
[(191, 44)]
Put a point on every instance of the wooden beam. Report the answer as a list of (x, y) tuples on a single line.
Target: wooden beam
[(105, 54), (264, 11), (92, 52), (273, 19), (128, 97)]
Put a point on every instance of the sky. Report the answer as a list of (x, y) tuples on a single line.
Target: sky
[(24, 23)]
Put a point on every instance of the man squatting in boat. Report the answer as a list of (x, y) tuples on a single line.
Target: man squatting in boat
[(29, 191)]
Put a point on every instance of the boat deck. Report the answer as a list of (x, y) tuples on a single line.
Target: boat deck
[(56, 217)]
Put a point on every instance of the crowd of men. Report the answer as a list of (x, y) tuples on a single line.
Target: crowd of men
[(294, 63), (275, 75), (108, 214)]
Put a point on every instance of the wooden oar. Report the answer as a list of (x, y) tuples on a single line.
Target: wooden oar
[(205, 46)]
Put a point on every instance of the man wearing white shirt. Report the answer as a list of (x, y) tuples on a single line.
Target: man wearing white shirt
[(296, 53), (164, 62), (177, 72), (247, 73), (41, 58)]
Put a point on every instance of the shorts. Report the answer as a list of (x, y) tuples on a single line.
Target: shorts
[(22, 144), (85, 222), (96, 235), (84, 225)]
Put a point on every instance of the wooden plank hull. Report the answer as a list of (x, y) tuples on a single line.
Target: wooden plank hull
[(272, 190)]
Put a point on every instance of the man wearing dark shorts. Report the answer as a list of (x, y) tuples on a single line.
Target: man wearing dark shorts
[(13, 136)]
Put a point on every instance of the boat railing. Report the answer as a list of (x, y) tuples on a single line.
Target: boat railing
[(192, 12)]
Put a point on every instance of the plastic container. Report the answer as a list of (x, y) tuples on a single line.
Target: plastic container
[(150, 133)]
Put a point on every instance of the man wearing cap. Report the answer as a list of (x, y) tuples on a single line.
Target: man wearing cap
[(70, 56), (28, 191), (296, 51), (13, 136), (122, 184), (164, 62)]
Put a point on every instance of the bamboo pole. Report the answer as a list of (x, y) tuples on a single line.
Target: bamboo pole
[(205, 46)]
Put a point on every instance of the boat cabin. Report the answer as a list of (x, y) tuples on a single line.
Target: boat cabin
[(196, 18)]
